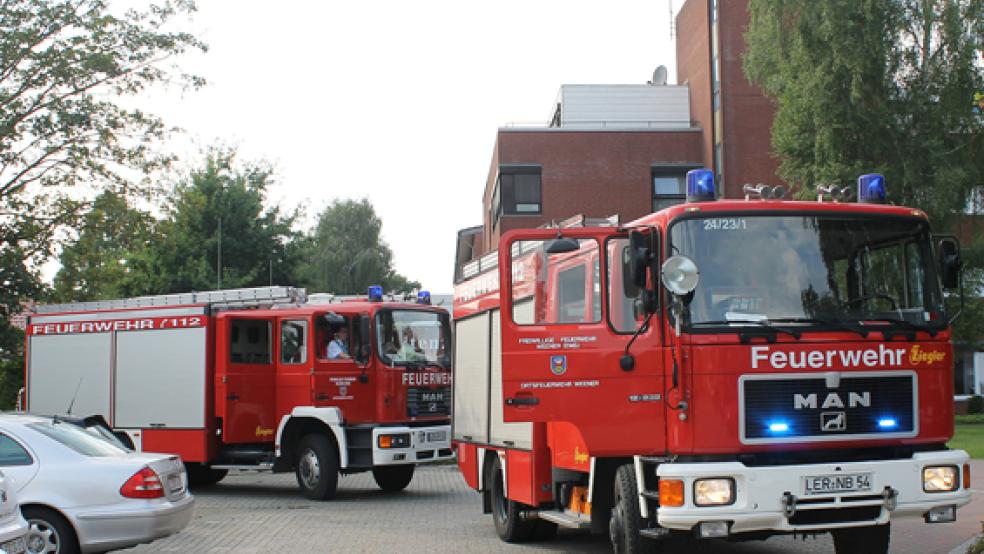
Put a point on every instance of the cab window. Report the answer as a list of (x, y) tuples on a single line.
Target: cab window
[(249, 341), (621, 302), (12, 453), (555, 288), (334, 337), (293, 342)]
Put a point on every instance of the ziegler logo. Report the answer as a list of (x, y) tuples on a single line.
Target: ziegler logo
[(832, 400), (917, 356), (261, 432)]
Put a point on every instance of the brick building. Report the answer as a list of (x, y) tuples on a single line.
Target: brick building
[(624, 150)]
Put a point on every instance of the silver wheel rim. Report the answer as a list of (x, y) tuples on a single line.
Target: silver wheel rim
[(310, 468), (42, 538)]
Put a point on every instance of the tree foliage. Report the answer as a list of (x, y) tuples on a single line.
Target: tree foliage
[(345, 253), (874, 86), (253, 242)]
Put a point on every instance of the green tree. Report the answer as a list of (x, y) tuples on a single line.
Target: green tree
[(96, 266), (345, 254), (884, 86), (218, 214)]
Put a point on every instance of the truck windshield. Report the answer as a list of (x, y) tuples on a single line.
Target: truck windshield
[(413, 337), (810, 269)]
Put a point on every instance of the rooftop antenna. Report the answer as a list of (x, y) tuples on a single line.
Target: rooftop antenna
[(74, 396), (659, 76)]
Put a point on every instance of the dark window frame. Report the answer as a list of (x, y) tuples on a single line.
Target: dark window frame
[(677, 170), (505, 201)]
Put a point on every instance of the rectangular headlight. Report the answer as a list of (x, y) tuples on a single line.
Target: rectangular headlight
[(940, 479), (714, 492)]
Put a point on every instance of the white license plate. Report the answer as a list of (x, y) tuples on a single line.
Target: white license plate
[(16, 546), (435, 436), (836, 483), (174, 483)]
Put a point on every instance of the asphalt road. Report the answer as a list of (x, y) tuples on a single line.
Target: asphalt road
[(261, 513)]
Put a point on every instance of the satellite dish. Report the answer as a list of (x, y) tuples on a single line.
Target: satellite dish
[(659, 76)]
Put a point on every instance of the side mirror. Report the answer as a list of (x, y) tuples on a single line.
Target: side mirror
[(561, 245), (640, 256), (950, 263)]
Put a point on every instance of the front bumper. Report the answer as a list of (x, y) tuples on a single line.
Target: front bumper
[(131, 522), (769, 498), (427, 444)]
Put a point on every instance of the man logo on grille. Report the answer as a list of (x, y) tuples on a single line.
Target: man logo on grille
[(833, 421)]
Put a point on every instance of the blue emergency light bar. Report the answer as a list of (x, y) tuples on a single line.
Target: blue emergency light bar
[(375, 293), (871, 189), (423, 297), (779, 427), (700, 185)]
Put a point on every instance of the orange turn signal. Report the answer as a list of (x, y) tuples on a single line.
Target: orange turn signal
[(671, 492), (966, 476), (385, 441)]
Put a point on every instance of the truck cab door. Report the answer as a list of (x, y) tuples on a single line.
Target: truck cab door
[(564, 328), (246, 388)]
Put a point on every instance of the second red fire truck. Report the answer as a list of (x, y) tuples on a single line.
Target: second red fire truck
[(255, 379), (720, 369)]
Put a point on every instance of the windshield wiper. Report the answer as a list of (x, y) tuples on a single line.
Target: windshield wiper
[(908, 325), (844, 326), (760, 322)]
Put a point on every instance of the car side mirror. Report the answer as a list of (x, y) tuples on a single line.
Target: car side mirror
[(950, 263)]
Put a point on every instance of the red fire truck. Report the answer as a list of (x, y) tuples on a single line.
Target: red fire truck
[(726, 369), (255, 379)]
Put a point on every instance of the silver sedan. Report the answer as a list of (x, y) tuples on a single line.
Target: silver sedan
[(82, 494)]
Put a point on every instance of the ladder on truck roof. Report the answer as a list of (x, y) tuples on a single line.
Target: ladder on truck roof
[(231, 298)]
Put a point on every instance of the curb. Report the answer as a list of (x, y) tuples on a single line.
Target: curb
[(962, 548)]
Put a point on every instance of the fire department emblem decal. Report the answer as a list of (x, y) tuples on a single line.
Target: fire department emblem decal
[(558, 365)]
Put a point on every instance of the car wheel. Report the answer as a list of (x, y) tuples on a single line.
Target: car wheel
[(393, 478), (623, 527), (317, 467), (49, 532), (510, 523)]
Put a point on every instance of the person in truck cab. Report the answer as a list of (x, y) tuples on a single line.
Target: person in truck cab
[(338, 347)]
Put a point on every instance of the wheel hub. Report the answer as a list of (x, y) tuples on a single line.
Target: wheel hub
[(310, 469), (41, 538)]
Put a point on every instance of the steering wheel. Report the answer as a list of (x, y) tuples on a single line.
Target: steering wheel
[(883, 296)]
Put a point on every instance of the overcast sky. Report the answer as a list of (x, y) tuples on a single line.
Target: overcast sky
[(399, 101)]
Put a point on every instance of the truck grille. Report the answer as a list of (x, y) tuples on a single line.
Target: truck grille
[(801, 408), (427, 401)]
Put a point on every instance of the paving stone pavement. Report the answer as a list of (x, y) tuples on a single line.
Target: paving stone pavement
[(251, 513)]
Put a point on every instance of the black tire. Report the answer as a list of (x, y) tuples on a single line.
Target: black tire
[(393, 478), (623, 527), (200, 475), (49, 532), (507, 514), (862, 540), (544, 530), (317, 467)]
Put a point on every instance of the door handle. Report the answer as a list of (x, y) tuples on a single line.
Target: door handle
[(232, 396), (522, 401), (320, 396)]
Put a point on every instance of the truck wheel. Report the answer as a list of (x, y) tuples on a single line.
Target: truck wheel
[(507, 514), (200, 475), (862, 540), (623, 528), (393, 478), (317, 467)]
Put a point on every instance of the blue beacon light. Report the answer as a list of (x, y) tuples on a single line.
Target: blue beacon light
[(779, 427), (700, 185), (423, 297), (871, 188), (887, 423), (375, 293)]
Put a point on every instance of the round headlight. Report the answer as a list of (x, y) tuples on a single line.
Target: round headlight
[(679, 275)]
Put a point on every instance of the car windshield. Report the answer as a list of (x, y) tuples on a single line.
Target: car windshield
[(413, 337), (810, 268), (78, 439)]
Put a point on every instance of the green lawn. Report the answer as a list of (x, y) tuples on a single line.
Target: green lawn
[(969, 437)]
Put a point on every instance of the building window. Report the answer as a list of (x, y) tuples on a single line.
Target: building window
[(669, 186), (517, 192)]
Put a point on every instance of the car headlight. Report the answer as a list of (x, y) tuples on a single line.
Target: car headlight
[(714, 492), (940, 479), (401, 440)]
